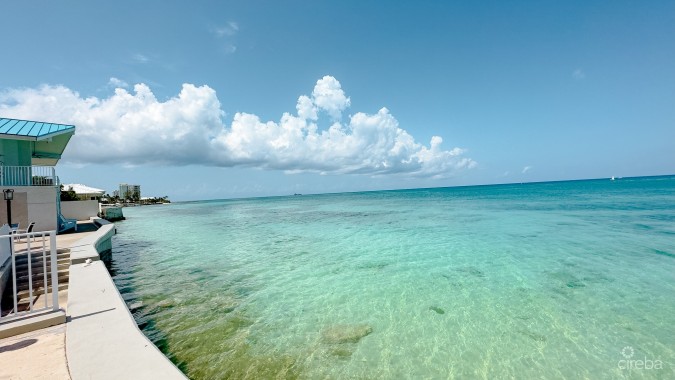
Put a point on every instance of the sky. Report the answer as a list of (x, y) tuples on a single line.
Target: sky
[(221, 99)]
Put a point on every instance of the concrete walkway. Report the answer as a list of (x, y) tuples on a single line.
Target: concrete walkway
[(39, 354)]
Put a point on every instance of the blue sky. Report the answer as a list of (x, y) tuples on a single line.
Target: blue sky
[(517, 91)]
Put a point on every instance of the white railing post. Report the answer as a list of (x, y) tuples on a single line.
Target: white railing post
[(30, 275), (16, 296), (55, 275), (44, 268)]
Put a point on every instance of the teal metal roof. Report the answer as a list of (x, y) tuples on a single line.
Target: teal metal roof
[(31, 130)]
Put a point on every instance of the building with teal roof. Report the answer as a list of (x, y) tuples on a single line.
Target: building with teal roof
[(29, 152), (25, 143)]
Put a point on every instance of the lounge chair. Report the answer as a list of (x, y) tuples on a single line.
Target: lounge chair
[(66, 224), (27, 230)]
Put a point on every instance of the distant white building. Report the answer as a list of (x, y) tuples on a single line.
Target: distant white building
[(127, 191), (84, 192)]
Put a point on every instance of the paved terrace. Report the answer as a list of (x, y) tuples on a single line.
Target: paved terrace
[(100, 339)]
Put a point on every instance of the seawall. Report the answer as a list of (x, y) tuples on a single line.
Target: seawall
[(102, 338)]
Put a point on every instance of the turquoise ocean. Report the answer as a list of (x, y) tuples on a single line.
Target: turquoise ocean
[(546, 280)]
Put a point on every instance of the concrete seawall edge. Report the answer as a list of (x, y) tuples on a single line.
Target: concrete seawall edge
[(102, 338)]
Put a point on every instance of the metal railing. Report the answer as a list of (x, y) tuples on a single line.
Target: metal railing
[(27, 176), (34, 252)]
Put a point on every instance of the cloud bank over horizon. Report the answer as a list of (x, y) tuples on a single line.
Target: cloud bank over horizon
[(134, 128)]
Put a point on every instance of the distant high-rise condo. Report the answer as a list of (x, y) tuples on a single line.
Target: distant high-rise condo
[(130, 191)]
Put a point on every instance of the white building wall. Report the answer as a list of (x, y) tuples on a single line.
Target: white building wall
[(32, 204), (42, 208), (80, 210)]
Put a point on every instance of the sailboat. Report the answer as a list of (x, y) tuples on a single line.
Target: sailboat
[(612, 179)]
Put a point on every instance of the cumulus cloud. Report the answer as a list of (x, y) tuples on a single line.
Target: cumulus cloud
[(135, 128), (117, 83), (328, 96)]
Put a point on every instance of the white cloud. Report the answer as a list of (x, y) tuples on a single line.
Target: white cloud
[(578, 74), (306, 108), (134, 128), (227, 32), (140, 58), (117, 83), (328, 96), (526, 169), (230, 49), (229, 29)]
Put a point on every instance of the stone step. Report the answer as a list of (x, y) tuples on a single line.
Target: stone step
[(38, 262), (23, 277), (38, 248), (39, 290), (23, 266), (21, 258), (38, 273), (39, 282), (38, 252), (38, 269)]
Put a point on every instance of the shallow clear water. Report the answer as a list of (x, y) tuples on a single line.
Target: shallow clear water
[(548, 280)]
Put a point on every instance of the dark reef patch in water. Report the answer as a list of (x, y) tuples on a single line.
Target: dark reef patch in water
[(345, 333), (532, 335), (340, 341), (342, 352), (460, 275), (223, 349), (663, 253), (566, 280), (472, 271), (437, 309), (575, 284), (373, 266)]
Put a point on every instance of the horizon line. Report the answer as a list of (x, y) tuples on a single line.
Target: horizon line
[(421, 188)]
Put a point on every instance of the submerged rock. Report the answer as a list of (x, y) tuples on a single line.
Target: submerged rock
[(532, 335), (575, 284), (437, 309), (473, 271), (346, 333), (341, 352), (163, 304)]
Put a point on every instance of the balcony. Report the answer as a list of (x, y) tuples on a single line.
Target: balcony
[(28, 176)]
